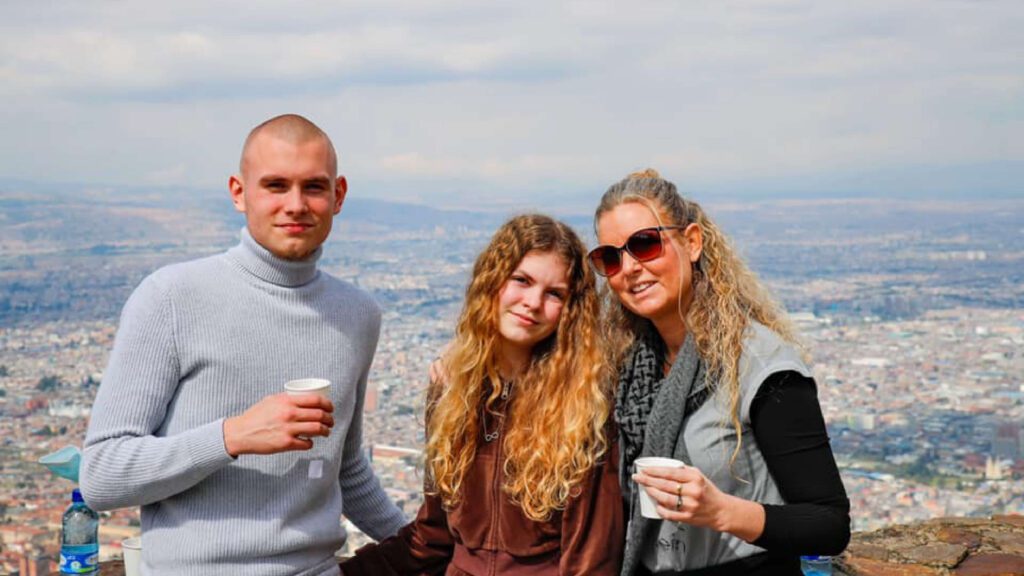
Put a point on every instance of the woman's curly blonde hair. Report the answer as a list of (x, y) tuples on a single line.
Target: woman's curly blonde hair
[(726, 294), (554, 432)]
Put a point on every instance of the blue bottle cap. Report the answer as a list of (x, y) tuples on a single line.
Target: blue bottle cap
[(76, 496)]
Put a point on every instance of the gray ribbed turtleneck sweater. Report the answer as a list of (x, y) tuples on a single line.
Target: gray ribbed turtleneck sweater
[(204, 340)]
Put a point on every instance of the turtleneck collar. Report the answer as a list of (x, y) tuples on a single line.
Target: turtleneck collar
[(263, 264)]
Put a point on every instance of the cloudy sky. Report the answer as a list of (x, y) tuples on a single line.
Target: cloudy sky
[(451, 102)]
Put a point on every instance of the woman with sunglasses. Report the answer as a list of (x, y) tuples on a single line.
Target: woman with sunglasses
[(521, 460), (710, 374)]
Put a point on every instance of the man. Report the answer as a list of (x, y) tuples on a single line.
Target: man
[(190, 422)]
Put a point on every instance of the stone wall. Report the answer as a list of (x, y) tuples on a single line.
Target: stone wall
[(943, 546)]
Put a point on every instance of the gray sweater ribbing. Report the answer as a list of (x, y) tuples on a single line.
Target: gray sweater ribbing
[(204, 340)]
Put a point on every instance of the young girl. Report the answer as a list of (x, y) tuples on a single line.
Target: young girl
[(521, 475), (710, 375)]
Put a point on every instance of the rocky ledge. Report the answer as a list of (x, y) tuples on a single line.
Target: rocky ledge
[(939, 547), (112, 568), (943, 546)]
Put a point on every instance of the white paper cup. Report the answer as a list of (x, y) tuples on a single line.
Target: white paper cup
[(648, 507), (132, 549), (308, 386)]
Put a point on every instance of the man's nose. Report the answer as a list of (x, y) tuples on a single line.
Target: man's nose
[(295, 201)]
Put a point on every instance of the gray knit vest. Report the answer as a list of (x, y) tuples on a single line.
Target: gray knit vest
[(710, 440)]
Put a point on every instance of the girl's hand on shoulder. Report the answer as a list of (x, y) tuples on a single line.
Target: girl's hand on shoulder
[(686, 495), (438, 373), (438, 369)]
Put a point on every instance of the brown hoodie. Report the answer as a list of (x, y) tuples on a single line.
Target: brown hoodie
[(486, 534)]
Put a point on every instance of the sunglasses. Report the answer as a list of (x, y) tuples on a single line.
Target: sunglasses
[(643, 245)]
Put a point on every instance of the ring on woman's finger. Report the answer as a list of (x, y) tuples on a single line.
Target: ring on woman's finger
[(679, 489), (679, 502)]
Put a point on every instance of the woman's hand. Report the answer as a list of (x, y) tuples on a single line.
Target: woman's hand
[(686, 495)]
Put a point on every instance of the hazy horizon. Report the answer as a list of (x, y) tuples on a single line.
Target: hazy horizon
[(535, 102), (569, 203)]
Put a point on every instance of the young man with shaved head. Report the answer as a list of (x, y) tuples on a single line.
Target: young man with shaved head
[(191, 422)]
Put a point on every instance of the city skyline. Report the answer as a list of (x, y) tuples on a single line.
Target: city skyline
[(913, 313)]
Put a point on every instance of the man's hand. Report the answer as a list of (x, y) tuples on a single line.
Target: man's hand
[(279, 423)]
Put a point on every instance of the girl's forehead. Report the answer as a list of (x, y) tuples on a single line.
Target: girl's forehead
[(547, 263)]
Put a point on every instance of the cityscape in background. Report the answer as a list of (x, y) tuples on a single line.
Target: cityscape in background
[(912, 311)]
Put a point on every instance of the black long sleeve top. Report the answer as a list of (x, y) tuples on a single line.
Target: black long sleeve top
[(790, 432)]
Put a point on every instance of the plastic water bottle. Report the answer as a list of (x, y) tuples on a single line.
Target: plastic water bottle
[(79, 538), (816, 565)]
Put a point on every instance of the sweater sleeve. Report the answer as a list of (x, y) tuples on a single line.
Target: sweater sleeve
[(425, 546), (124, 462), (790, 432), (364, 501), (593, 524)]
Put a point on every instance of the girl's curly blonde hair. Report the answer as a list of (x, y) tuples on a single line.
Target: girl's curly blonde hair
[(554, 432), (726, 294)]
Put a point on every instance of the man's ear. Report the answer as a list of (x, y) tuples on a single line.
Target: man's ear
[(694, 238), (340, 189), (237, 192)]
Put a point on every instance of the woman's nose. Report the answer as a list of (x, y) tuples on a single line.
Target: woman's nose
[(630, 265)]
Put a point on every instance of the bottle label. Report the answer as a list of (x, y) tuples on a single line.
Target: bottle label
[(85, 563)]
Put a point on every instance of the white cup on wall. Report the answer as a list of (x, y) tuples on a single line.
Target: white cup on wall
[(132, 549)]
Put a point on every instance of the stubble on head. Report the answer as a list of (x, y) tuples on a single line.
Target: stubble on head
[(291, 128)]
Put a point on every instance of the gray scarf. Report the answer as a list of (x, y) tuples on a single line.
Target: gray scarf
[(681, 392)]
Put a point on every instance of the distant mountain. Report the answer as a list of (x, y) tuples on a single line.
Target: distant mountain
[(413, 216), (104, 210)]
